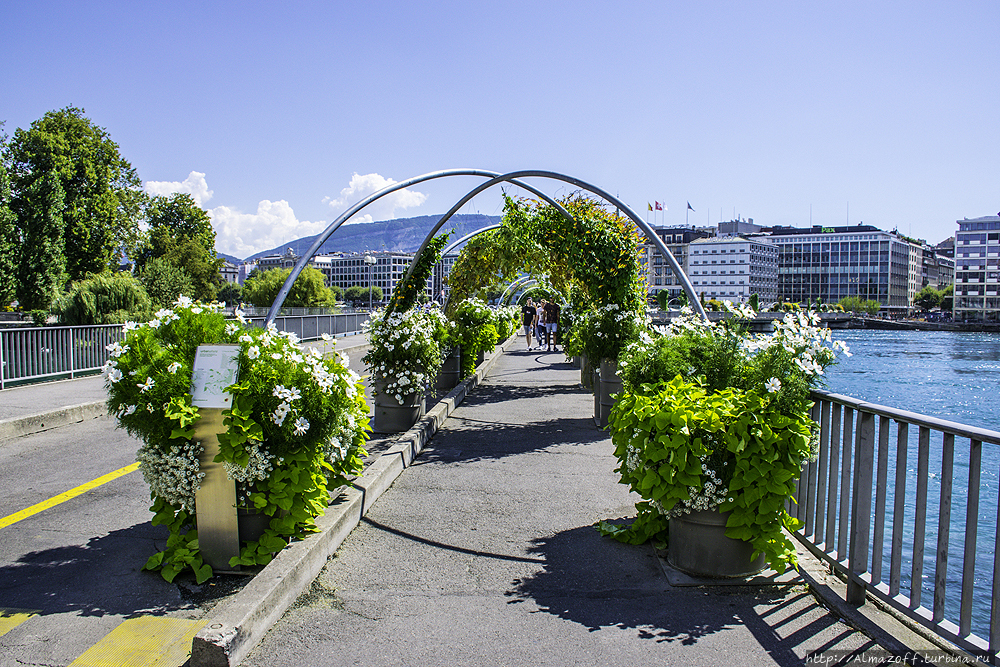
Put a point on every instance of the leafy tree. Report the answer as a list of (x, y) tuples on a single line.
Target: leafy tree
[(856, 304), (164, 282), (105, 298), (100, 189), (42, 266), (947, 297), (308, 290), (927, 298), (200, 263), (8, 234), (359, 293), (230, 294)]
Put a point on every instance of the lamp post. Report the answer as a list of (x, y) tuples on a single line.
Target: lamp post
[(369, 260)]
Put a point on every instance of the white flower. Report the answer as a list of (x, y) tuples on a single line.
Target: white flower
[(246, 339), (773, 385), (196, 309), (301, 426), (183, 301), (148, 384), (129, 409), (130, 326), (232, 328), (326, 336), (240, 315), (174, 367), (276, 355), (114, 375), (116, 349), (253, 352)]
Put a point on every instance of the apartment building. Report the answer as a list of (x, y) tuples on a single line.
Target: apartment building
[(731, 268), (977, 269)]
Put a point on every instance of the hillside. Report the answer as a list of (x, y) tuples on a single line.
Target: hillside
[(399, 235)]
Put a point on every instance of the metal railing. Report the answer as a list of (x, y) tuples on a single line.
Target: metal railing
[(29, 354), (882, 478), (34, 354)]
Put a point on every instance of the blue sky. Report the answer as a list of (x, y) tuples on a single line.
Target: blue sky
[(277, 116)]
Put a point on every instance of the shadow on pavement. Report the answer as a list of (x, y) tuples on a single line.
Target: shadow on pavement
[(599, 583), (104, 576)]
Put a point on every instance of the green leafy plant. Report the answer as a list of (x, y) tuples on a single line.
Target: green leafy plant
[(475, 327), (712, 416), (296, 428), (404, 352)]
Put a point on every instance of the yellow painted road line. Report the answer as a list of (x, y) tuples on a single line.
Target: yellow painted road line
[(146, 641), (63, 497), (11, 618)]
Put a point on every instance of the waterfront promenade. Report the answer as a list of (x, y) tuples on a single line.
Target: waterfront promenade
[(483, 552)]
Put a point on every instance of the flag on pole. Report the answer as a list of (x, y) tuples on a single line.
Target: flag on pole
[(689, 206), (658, 206), (649, 206)]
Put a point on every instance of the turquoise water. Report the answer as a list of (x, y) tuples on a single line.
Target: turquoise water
[(948, 375)]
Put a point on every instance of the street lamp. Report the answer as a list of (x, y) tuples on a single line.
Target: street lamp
[(369, 260)]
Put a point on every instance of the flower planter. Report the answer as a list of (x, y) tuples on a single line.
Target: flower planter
[(392, 416), (451, 370), (586, 373), (698, 546), (480, 358), (610, 385)]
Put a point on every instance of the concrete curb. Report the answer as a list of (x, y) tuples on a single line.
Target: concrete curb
[(19, 426), (232, 632)]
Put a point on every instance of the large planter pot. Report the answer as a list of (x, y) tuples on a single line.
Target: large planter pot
[(480, 357), (698, 546), (392, 416), (610, 384), (451, 370)]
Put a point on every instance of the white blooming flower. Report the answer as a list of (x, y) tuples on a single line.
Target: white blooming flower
[(253, 352), (326, 337), (183, 301), (174, 367), (246, 339), (301, 426), (129, 409), (773, 385), (147, 385), (240, 315), (116, 349), (231, 328), (114, 375)]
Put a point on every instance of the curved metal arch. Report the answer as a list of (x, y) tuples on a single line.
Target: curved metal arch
[(515, 285), (514, 178), (346, 215), (455, 244)]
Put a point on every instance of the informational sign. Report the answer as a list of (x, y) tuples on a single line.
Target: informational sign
[(215, 368)]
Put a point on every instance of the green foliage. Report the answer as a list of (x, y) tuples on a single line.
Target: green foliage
[(41, 270), (408, 290), (164, 281), (230, 294), (9, 240), (535, 293), (181, 234), (927, 298), (476, 331), (308, 290), (296, 428), (106, 298), (684, 449), (100, 189), (358, 293), (854, 304), (662, 297)]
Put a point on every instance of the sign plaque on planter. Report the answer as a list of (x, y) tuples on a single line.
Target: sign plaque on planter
[(215, 368)]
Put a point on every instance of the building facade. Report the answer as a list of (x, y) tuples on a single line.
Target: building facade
[(731, 268), (659, 274), (977, 270), (831, 263)]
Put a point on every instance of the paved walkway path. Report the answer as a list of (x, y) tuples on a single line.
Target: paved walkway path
[(483, 552)]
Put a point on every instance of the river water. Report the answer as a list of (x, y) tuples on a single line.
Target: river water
[(948, 375)]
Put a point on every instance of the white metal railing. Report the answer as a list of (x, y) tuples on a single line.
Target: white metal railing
[(39, 353), (874, 528)]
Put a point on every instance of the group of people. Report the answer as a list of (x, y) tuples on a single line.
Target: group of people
[(541, 321)]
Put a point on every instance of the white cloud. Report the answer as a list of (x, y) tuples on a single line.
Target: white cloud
[(194, 185), (274, 223), (384, 208)]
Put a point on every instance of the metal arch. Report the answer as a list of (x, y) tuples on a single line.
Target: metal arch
[(517, 284), (513, 178), (455, 244), (321, 239), (499, 178)]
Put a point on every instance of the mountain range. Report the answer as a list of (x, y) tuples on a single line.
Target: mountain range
[(397, 235)]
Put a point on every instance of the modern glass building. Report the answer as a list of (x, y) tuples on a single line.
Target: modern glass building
[(977, 269), (830, 263)]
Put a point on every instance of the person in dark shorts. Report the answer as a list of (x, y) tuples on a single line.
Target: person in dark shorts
[(529, 315), (551, 324)]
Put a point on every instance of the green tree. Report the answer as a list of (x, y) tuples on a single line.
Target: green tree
[(105, 298), (164, 282), (230, 294), (41, 269), (947, 297), (200, 263), (181, 233), (359, 293), (8, 234), (927, 298), (100, 189), (308, 290)]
